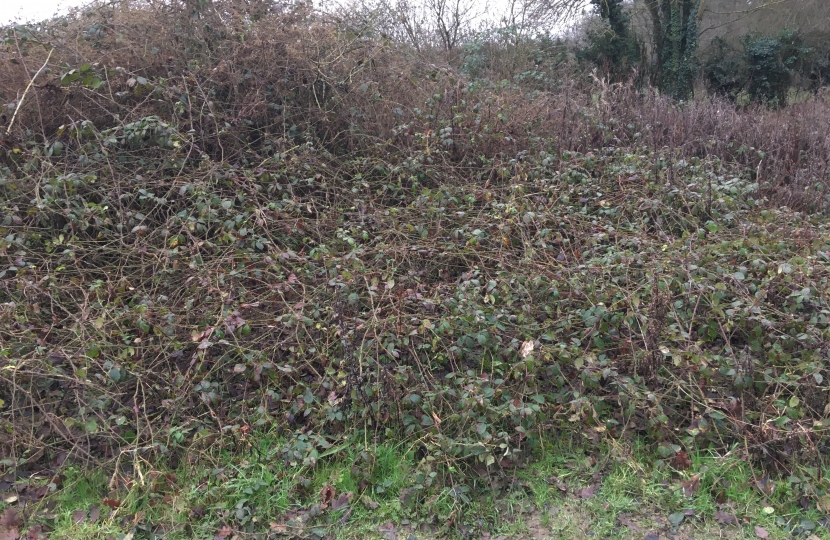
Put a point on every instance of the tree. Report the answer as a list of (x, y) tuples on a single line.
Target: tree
[(614, 45), (672, 27), (451, 20), (420, 23)]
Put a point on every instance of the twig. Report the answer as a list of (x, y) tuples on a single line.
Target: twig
[(31, 82)]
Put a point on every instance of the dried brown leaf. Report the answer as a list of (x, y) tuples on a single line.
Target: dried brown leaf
[(327, 495), (725, 518), (112, 503), (681, 461), (79, 516), (223, 533), (9, 518), (587, 493), (342, 501), (35, 533), (389, 531), (625, 520), (765, 485), (689, 487), (761, 532), (9, 534)]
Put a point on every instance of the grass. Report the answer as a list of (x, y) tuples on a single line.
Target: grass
[(634, 492)]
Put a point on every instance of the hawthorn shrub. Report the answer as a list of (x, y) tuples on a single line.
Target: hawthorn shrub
[(225, 220)]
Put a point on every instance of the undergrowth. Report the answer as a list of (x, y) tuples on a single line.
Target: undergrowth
[(314, 235)]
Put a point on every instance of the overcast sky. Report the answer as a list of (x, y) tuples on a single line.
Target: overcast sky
[(37, 10), (26, 10)]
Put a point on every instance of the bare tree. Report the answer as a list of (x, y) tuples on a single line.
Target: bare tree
[(447, 23), (527, 17), (420, 23), (412, 21), (452, 20)]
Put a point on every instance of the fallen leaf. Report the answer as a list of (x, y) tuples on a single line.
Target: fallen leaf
[(560, 485), (587, 493), (9, 518), (347, 515), (725, 518), (79, 516), (341, 502), (765, 485), (278, 528), (9, 523), (689, 487), (327, 495), (223, 533), (35, 533), (627, 522), (202, 336), (681, 461), (761, 532), (94, 513), (112, 503), (652, 536), (388, 531)]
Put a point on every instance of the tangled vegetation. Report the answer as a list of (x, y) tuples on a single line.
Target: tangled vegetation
[(267, 223)]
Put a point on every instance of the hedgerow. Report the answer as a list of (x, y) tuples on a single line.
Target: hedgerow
[(294, 228)]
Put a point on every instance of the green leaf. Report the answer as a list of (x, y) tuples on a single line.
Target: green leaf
[(114, 374), (676, 519)]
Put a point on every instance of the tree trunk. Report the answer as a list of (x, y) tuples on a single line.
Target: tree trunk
[(657, 31)]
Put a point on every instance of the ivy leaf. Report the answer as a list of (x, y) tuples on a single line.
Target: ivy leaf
[(676, 519)]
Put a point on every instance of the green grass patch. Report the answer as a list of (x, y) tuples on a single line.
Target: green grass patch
[(567, 490)]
